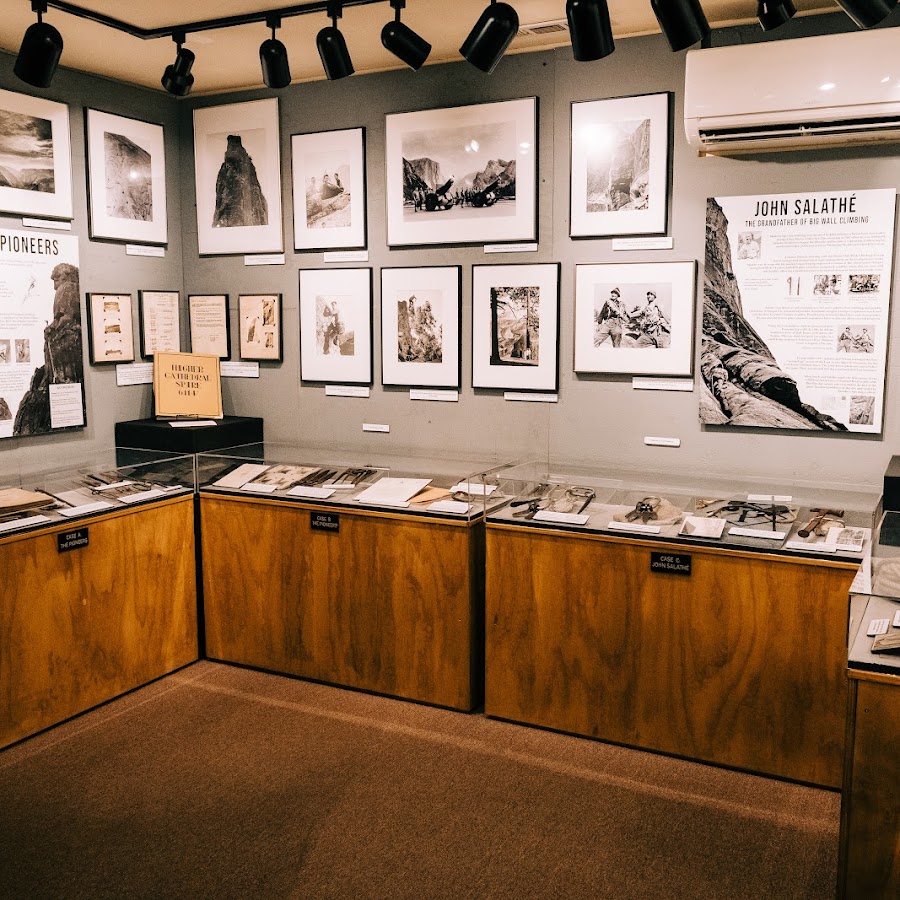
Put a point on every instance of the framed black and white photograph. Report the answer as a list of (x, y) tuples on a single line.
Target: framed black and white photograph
[(237, 163), (620, 166), (209, 324), (110, 328), (336, 325), (329, 187), (462, 175), (35, 157), (420, 319), (515, 327), (259, 319), (635, 318), (160, 322), (126, 179)]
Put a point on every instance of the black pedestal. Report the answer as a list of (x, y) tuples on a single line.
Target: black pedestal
[(152, 434), (892, 484)]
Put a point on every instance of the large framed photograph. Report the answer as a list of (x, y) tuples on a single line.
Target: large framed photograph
[(35, 157), (126, 179), (209, 324), (635, 318), (515, 327), (462, 175), (420, 319), (237, 165), (259, 318), (620, 166), (160, 322), (329, 187), (110, 329), (336, 325)]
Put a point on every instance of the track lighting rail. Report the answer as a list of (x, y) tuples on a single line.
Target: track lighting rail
[(285, 12)]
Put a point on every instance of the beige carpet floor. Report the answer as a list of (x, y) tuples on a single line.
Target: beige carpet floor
[(221, 782)]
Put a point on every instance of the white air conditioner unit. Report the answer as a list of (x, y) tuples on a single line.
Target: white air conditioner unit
[(828, 91)]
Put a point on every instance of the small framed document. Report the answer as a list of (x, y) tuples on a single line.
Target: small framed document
[(160, 322), (187, 385), (110, 334), (210, 325), (259, 317)]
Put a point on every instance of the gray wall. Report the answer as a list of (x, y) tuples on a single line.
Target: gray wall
[(599, 420), (103, 266)]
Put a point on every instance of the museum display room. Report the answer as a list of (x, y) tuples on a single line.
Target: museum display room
[(561, 397)]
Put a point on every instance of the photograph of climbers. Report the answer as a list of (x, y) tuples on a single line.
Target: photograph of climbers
[(635, 318), (420, 318), (259, 317), (794, 337), (462, 175), (329, 184), (336, 325), (619, 169), (41, 357), (237, 167)]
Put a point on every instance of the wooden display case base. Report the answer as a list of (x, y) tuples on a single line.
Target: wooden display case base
[(742, 663), (80, 627), (388, 603)]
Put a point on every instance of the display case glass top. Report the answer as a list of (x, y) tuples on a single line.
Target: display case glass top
[(108, 481), (437, 486), (766, 517)]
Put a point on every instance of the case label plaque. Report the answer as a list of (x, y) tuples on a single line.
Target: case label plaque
[(671, 563), (324, 521), (71, 540)]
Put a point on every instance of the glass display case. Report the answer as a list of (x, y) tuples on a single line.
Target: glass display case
[(766, 517), (107, 481), (423, 486)]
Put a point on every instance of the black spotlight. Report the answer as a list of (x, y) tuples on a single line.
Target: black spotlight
[(682, 22), (332, 46), (589, 29), (402, 41), (177, 78), (490, 37), (41, 49), (273, 58), (774, 13), (867, 13)]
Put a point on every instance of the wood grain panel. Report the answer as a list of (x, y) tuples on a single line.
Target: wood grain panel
[(386, 604), (741, 664), (871, 837), (80, 627)]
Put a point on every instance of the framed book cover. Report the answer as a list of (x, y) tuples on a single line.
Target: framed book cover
[(187, 385)]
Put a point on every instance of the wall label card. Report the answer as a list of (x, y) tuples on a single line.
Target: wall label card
[(796, 301), (324, 521), (670, 563), (72, 540)]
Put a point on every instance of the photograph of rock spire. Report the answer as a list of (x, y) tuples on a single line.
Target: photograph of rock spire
[(237, 164), (239, 196)]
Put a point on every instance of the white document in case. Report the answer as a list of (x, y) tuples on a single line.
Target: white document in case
[(241, 475), (392, 491)]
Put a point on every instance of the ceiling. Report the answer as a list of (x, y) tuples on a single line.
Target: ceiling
[(228, 59)]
